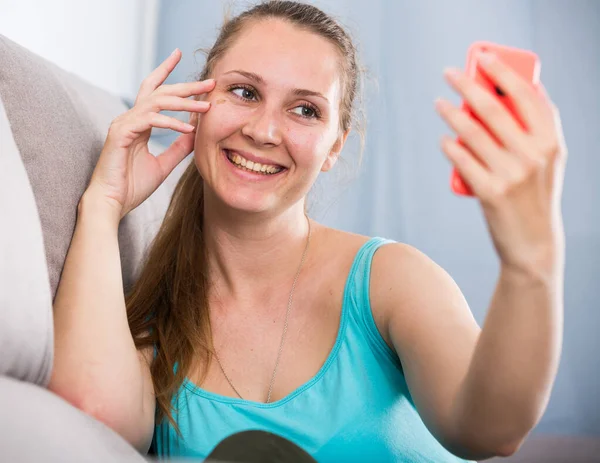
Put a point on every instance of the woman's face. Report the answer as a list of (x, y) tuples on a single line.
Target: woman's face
[(274, 109)]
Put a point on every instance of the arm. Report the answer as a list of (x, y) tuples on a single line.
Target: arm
[(96, 365), (423, 316), (491, 388), (479, 392), (510, 378)]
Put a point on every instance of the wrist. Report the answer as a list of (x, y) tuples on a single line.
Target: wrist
[(97, 205), (544, 261), (541, 269)]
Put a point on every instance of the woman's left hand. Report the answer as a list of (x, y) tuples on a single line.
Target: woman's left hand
[(519, 175)]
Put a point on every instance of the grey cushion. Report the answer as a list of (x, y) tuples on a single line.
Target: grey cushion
[(59, 123), (59, 133), (53, 130), (38, 426), (26, 342)]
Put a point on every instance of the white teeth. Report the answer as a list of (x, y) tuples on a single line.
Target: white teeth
[(244, 164)]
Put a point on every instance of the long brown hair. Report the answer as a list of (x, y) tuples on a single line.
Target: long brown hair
[(167, 306)]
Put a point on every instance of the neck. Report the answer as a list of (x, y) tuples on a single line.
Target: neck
[(251, 254)]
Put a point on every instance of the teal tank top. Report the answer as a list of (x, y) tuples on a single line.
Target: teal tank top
[(356, 408)]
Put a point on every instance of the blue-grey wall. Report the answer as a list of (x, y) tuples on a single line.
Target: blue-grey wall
[(402, 189)]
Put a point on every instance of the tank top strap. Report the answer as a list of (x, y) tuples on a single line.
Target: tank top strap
[(357, 298)]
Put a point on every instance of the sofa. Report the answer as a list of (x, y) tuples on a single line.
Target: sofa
[(52, 129)]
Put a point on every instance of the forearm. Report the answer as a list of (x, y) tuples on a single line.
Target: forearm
[(510, 377), (96, 365)]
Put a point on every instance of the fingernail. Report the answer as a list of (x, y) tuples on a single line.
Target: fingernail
[(440, 104), (486, 57), (445, 139), (174, 52), (451, 72)]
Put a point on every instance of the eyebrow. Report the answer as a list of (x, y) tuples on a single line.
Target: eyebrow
[(259, 80)]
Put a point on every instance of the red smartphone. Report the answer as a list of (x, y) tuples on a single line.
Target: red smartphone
[(526, 63)]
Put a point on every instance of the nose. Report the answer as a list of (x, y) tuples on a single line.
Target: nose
[(264, 127)]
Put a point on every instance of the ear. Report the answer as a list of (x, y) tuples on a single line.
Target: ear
[(336, 149)]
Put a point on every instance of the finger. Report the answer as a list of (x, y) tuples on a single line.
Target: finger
[(555, 115), (521, 92), (172, 103), (476, 138), (559, 130), (475, 174), (560, 134), (186, 89), (543, 92), (150, 120), (159, 75), (489, 110), (177, 152)]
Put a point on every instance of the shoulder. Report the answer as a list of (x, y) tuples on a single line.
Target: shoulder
[(409, 292), (334, 244), (395, 265), (395, 262), (401, 270), (408, 289)]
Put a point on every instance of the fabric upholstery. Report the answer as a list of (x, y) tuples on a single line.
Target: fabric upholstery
[(26, 342)]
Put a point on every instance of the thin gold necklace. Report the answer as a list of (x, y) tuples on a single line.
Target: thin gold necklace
[(285, 326)]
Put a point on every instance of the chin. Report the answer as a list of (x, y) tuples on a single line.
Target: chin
[(240, 202)]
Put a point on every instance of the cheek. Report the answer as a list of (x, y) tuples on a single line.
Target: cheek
[(222, 119), (308, 146)]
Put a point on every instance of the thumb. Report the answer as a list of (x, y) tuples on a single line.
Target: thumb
[(177, 152)]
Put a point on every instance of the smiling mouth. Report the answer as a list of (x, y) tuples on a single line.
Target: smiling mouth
[(249, 166)]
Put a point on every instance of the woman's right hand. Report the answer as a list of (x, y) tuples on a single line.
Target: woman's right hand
[(127, 173)]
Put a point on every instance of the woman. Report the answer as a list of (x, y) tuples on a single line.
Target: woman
[(249, 315)]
